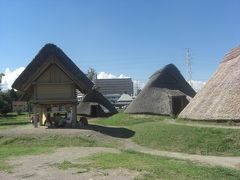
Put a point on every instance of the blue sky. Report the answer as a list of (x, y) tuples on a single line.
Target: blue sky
[(130, 37)]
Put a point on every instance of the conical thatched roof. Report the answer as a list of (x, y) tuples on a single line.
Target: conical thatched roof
[(220, 97), (155, 98), (95, 100), (125, 98), (41, 62)]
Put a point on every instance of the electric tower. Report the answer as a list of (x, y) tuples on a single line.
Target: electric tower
[(188, 62)]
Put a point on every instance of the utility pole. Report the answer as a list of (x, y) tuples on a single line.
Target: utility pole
[(136, 88), (188, 62)]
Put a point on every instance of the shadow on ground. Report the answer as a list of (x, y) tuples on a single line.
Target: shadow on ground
[(118, 132)]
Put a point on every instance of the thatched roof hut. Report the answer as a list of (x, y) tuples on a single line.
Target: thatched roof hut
[(124, 100), (219, 99), (51, 54), (165, 93), (96, 105), (52, 78)]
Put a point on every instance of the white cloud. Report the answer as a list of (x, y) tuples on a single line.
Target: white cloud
[(104, 75), (197, 85), (136, 84), (10, 77)]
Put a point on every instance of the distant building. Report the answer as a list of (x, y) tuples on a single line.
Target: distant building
[(124, 100), (113, 98), (115, 86), (19, 106)]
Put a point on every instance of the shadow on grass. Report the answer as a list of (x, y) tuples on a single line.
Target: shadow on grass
[(13, 123), (118, 132), (8, 115)]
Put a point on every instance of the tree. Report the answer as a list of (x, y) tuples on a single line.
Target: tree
[(6, 99), (92, 74), (1, 75), (5, 102), (13, 95)]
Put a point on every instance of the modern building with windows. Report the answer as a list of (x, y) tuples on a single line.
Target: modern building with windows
[(115, 86)]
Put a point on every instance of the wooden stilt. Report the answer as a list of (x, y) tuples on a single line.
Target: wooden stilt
[(35, 116), (74, 115), (40, 115)]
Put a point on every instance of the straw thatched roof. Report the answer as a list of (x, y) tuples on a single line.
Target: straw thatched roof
[(41, 62), (125, 98), (219, 99), (96, 102), (156, 96)]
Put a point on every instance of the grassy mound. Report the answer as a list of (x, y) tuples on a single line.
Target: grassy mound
[(154, 132), (194, 140), (122, 119)]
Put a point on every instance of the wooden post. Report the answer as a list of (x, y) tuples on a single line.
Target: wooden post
[(44, 115), (35, 116), (40, 115), (74, 114)]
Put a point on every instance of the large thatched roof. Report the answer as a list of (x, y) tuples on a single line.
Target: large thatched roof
[(41, 62), (220, 97), (155, 97), (97, 100)]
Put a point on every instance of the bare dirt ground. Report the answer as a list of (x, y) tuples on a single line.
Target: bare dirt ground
[(39, 167), (44, 166)]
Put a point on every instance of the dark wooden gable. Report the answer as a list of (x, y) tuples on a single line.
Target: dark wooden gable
[(53, 74)]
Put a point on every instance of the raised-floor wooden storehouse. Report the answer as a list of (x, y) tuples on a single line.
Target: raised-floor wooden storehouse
[(166, 93), (51, 79)]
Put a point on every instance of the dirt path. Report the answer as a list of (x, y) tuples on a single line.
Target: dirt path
[(39, 167), (199, 124), (230, 162)]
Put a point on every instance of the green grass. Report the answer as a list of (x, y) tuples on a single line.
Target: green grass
[(154, 132), (228, 123), (122, 119), (153, 167), (194, 140), (19, 146), (13, 120)]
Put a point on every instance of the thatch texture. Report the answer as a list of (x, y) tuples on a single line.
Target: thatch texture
[(220, 97), (124, 100), (157, 95), (62, 60), (95, 104)]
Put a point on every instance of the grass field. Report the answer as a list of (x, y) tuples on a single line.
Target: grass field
[(152, 131), (13, 120), (152, 167)]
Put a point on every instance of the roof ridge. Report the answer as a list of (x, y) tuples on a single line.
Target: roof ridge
[(235, 52)]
